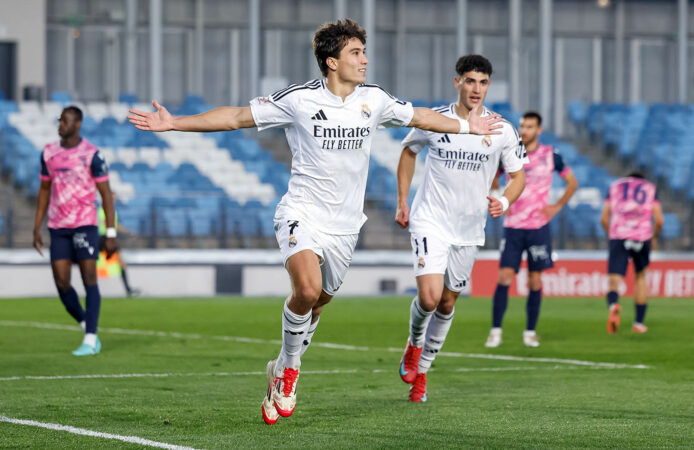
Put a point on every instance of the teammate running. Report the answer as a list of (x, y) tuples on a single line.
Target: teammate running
[(449, 213)]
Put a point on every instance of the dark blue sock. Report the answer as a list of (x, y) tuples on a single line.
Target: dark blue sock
[(499, 305), (72, 304), (641, 312), (612, 298), (93, 307), (532, 309)]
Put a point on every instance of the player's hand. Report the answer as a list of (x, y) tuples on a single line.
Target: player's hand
[(496, 209), (160, 120), (38, 242), (490, 124), (550, 211), (654, 243), (110, 247), (402, 216)]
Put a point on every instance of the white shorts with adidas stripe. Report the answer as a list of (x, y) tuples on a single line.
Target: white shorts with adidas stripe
[(334, 250), (431, 254)]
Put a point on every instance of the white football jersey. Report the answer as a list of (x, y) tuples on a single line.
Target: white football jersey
[(330, 142), (452, 199)]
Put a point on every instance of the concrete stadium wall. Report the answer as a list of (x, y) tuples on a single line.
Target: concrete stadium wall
[(24, 22), (204, 273)]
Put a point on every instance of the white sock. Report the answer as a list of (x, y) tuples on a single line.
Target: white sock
[(83, 325), (309, 337), (436, 336), (90, 339), (419, 320), (294, 330)]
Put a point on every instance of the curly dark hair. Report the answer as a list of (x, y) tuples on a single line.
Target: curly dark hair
[(332, 37), (478, 63), (72, 109)]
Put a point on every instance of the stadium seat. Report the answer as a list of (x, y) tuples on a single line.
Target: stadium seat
[(672, 228), (61, 97)]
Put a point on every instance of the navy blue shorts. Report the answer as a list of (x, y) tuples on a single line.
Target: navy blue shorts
[(75, 244), (538, 244), (623, 249)]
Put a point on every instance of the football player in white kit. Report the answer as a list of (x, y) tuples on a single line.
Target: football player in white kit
[(329, 124), (449, 213)]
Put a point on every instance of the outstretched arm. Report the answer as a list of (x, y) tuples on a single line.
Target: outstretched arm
[(227, 118), (408, 160), (513, 190), (430, 120)]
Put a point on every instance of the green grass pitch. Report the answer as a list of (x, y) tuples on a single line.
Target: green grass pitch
[(209, 385)]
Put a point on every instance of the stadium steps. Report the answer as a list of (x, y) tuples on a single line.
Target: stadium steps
[(23, 211), (380, 231), (276, 142)]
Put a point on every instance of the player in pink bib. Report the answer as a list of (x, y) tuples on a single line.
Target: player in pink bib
[(526, 229), (628, 214), (72, 170)]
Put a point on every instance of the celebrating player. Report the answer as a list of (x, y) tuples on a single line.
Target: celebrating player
[(71, 172), (526, 228), (449, 213), (630, 205), (329, 125)]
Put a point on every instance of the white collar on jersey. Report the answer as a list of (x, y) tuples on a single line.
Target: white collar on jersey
[(485, 111), (336, 98)]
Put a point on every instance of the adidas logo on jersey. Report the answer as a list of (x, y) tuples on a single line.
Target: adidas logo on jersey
[(320, 115), (445, 139)]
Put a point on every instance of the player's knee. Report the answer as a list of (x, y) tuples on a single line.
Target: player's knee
[(307, 293), (89, 279), (505, 277), (447, 305), (63, 284), (429, 300), (535, 282)]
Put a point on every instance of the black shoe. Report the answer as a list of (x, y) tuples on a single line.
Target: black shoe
[(134, 292)]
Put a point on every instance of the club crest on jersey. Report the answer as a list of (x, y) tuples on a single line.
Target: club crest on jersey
[(292, 224), (487, 141), (421, 263), (365, 111)]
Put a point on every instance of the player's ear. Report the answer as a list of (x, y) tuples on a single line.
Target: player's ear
[(457, 81), (331, 63)]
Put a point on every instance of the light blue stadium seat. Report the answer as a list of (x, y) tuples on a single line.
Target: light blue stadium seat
[(672, 228), (578, 112), (128, 98), (61, 97)]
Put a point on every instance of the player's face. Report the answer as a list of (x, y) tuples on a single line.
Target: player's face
[(351, 64), (472, 88), (68, 125), (529, 130)]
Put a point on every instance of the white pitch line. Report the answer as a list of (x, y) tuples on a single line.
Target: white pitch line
[(164, 375), (247, 340), (240, 374), (99, 434)]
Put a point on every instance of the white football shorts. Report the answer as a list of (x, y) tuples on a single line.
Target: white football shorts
[(334, 250), (431, 254)]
